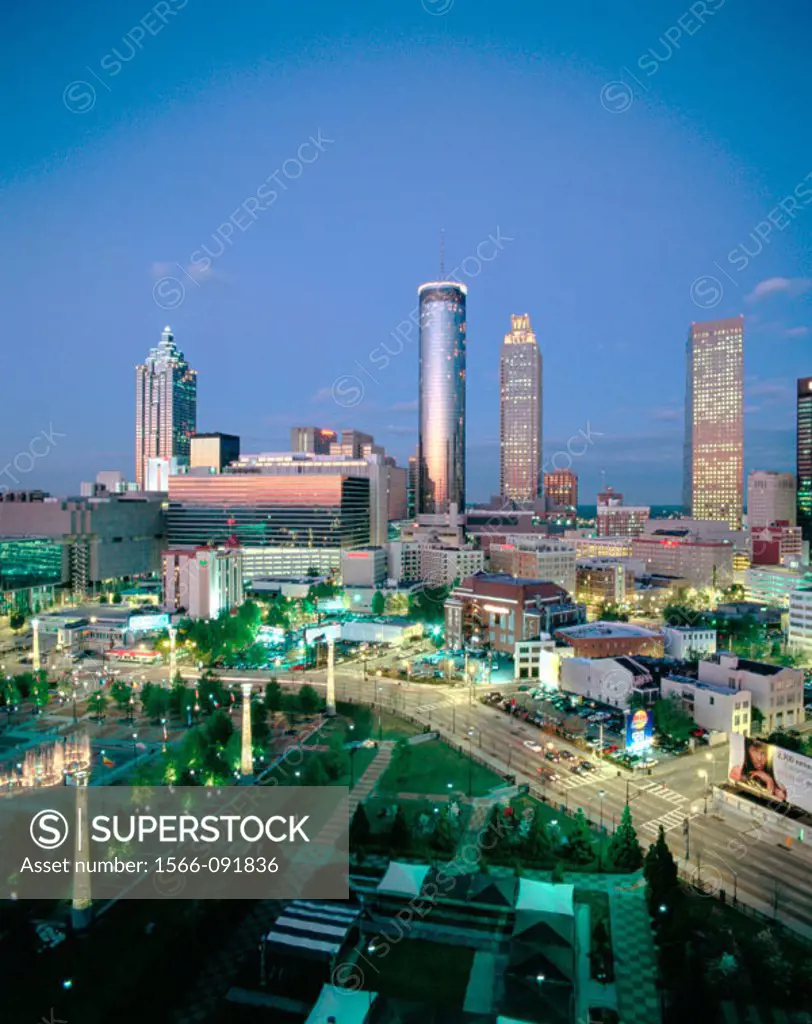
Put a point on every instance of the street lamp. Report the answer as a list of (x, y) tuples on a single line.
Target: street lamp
[(470, 762), (135, 737), (601, 795)]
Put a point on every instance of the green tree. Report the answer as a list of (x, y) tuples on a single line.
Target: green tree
[(39, 691), (789, 739), (314, 773), (309, 700), (273, 696), (609, 611), (336, 759), (579, 846), (16, 620), (661, 873), (378, 603), (121, 693), (672, 719), (219, 728), (96, 704), (537, 847), (290, 708), (400, 836), (117, 598), (260, 731), (360, 829), (625, 852), (155, 701), (402, 759)]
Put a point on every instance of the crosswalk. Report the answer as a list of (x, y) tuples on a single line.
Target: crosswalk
[(662, 792), (673, 819)]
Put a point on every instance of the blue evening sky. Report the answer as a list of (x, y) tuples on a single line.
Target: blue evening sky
[(132, 133)]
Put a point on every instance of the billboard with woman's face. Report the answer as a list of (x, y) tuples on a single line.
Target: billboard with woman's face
[(771, 772)]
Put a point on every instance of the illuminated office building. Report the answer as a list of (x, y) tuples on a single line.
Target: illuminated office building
[(561, 489), (441, 438), (714, 426), (520, 375), (165, 406), (804, 456)]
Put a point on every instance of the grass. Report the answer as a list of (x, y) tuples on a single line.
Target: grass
[(373, 723), (412, 809), (285, 772), (424, 972), (431, 767)]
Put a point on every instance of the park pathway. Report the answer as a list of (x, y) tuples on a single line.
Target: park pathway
[(219, 971)]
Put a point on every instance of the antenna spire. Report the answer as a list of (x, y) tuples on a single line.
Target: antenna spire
[(442, 254)]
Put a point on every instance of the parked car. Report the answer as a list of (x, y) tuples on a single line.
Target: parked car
[(553, 755)]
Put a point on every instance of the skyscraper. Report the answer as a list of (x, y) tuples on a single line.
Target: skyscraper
[(520, 476), (441, 437), (165, 406), (714, 425), (803, 456)]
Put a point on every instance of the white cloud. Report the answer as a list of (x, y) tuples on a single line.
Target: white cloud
[(791, 286)]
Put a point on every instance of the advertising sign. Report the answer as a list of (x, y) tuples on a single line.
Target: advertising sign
[(147, 623), (771, 772), (639, 731)]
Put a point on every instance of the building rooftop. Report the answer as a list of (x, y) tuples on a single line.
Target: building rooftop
[(605, 630)]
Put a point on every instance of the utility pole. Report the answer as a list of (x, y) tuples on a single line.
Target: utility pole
[(686, 831)]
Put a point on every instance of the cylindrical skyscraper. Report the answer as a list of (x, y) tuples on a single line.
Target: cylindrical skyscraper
[(441, 440)]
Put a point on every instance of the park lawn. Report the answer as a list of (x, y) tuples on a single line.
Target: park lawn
[(284, 773), (374, 723), (432, 766), (412, 809), (419, 971)]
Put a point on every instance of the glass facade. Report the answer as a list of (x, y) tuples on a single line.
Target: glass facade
[(165, 406), (441, 440), (31, 561), (261, 510), (804, 456), (520, 474), (714, 423)]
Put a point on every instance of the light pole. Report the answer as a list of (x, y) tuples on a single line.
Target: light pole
[(470, 762), (601, 795), (135, 737), (735, 887), (163, 727)]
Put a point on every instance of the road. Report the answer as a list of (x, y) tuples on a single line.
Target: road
[(721, 852)]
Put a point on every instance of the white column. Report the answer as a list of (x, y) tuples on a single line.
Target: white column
[(35, 658), (247, 756), (173, 667), (82, 905), (331, 678)]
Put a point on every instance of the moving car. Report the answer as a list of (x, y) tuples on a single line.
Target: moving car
[(531, 745)]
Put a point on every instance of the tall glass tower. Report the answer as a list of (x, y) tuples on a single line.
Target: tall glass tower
[(520, 476), (803, 452), (165, 406), (441, 438), (714, 424)]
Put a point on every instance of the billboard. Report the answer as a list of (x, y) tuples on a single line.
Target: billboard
[(771, 772), (639, 731), (147, 623)]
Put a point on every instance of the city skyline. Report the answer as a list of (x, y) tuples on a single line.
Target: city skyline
[(557, 223)]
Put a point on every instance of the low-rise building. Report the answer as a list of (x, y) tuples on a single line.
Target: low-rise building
[(689, 643), (799, 634), (610, 640), (608, 680), (537, 558), (363, 567), (777, 544), (537, 660), (203, 581), (678, 553), (713, 707), (436, 564), (605, 580), (777, 692), (773, 584), (622, 520), (501, 610), (587, 545)]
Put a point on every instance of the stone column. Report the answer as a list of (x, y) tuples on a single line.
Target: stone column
[(331, 678), (82, 906), (173, 665), (247, 756), (35, 658)]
